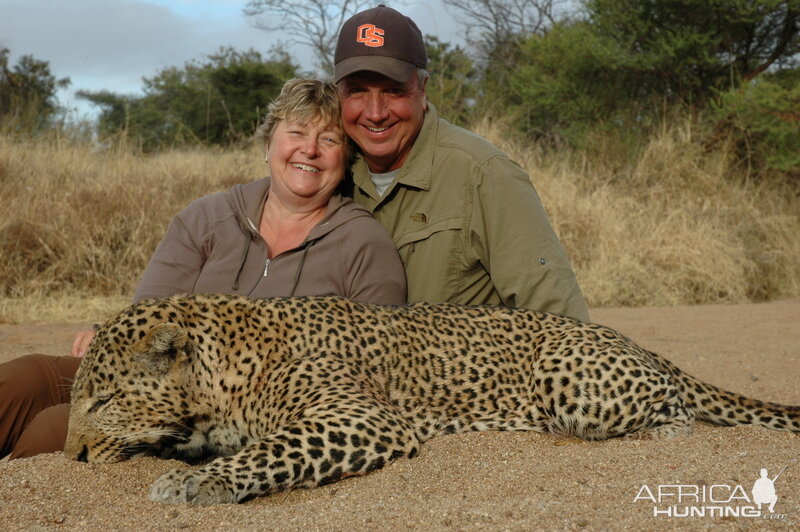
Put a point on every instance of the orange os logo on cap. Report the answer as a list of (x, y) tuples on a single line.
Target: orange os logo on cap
[(370, 35)]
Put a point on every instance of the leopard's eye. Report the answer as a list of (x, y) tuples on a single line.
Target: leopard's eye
[(100, 401)]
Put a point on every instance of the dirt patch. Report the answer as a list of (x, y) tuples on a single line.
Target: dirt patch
[(482, 481)]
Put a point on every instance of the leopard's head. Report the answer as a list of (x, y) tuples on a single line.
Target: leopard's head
[(131, 393)]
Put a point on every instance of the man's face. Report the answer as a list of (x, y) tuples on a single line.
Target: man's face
[(382, 116)]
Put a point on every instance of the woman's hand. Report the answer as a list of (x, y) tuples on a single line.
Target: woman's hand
[(81, 343)]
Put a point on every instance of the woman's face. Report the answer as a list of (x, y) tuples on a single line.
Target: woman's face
[(306, 161)]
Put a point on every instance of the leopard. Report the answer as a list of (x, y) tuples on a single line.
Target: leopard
[(268, 395)]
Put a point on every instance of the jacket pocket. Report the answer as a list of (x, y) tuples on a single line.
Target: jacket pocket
[(425, 232)]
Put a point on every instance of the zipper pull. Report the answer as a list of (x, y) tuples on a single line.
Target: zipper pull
[(266, 267)]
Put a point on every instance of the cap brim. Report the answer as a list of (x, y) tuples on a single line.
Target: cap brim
[(388, 66)]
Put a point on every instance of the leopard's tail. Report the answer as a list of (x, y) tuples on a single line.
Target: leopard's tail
[(721, 407)]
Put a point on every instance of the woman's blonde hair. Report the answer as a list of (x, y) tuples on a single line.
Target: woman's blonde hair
[(305, 100)]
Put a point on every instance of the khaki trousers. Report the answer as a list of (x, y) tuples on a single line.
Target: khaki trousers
[(34, 404)]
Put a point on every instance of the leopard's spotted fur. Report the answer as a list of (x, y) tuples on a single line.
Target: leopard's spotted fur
[(301, 392)]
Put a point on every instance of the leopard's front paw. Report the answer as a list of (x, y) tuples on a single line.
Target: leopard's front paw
[(193, 486)]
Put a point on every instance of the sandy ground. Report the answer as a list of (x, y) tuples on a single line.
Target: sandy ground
[(485, 481)]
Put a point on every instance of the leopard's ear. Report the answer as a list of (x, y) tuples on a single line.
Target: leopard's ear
[(163, 346)]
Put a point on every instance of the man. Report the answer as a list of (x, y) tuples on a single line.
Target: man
[(469, 225)]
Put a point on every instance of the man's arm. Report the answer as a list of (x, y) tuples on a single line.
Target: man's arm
[(514, 240)]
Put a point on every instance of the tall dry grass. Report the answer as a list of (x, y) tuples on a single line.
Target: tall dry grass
[(79, 223), (676, 226)]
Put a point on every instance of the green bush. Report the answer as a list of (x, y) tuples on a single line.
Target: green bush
[(573, 82), (763, 119)]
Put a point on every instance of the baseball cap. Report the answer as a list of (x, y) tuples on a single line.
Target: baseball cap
[(380, 40)]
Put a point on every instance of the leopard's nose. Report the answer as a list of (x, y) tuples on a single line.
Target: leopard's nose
[(84, 456)]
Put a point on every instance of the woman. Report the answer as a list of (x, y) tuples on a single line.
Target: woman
[(287, 235)]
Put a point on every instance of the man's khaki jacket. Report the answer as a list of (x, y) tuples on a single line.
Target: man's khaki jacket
[(469, 226)]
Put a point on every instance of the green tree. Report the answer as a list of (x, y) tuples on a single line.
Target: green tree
[(685, 50), (219, 101), (624, 62), (27, 91), (452, 86), (566, 82), (494, 31)]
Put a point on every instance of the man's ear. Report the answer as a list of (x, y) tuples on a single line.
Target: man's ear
[(164, 346), (424, 91)]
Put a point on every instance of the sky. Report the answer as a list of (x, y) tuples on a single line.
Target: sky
[(112, 44)]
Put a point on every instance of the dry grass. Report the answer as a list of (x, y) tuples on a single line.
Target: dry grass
[(676, 227), (79, 222)]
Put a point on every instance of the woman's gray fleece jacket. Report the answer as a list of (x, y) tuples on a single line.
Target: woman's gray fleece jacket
[(213, 246)]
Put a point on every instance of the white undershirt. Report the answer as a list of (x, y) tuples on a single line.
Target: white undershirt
[(382, 181)]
